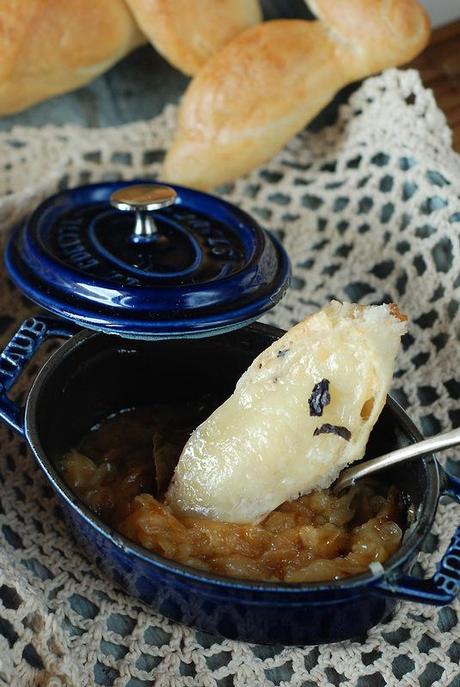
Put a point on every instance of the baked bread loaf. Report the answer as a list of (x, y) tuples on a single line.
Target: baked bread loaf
[(302, 411), (268, 82), (188, 32), (53, 46), (49, 47)]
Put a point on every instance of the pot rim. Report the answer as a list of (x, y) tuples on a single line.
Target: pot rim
[(410, 545)]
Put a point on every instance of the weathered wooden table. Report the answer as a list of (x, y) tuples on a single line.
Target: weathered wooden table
[(439, 66)]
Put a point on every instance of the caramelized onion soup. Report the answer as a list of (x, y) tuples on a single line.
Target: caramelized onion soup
[(122, 468)]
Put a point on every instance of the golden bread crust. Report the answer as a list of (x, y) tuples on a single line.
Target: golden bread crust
[(395, 311), (250, 98), (378, 33), (268, 82), (187, 33), (50, 46)]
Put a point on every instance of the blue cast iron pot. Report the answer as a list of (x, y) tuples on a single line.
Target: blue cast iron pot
[(93, 375)]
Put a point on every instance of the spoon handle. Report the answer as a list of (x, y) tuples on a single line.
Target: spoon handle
[(438, 442)]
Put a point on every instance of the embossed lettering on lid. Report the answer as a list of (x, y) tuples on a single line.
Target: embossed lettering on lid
[(146, 260)]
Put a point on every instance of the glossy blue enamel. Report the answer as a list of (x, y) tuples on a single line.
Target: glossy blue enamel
[(241, 609), (17, 353), (191, 268), (217, 268), (445, 583)]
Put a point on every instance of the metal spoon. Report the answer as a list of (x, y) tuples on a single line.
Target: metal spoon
[(437, 443)]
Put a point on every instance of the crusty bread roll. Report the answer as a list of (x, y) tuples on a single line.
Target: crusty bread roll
[(378, 33), (301, 412), (49, 47), (53, 46), (268, 82), (188, 32)]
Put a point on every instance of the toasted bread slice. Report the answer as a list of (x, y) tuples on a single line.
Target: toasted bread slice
[(301, 412)]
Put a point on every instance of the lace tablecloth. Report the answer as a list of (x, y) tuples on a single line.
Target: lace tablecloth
[(369, 211)]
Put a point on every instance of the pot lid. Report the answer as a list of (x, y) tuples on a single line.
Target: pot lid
[(145, 260)]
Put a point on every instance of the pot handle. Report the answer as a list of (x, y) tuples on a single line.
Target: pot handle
[(17, 353), (442, 588)]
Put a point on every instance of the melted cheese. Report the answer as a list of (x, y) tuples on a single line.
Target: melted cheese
[(258, 449)]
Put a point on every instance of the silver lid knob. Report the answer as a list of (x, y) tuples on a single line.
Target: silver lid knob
[(143, 199)]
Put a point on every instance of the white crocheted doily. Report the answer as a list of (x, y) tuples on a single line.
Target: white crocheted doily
[(369, 211)]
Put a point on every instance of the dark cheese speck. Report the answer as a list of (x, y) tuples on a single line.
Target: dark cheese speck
[(320, 398), (333, 429), (282, 352)]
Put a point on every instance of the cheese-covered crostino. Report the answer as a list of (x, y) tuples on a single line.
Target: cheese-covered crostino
[(302, 411)]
